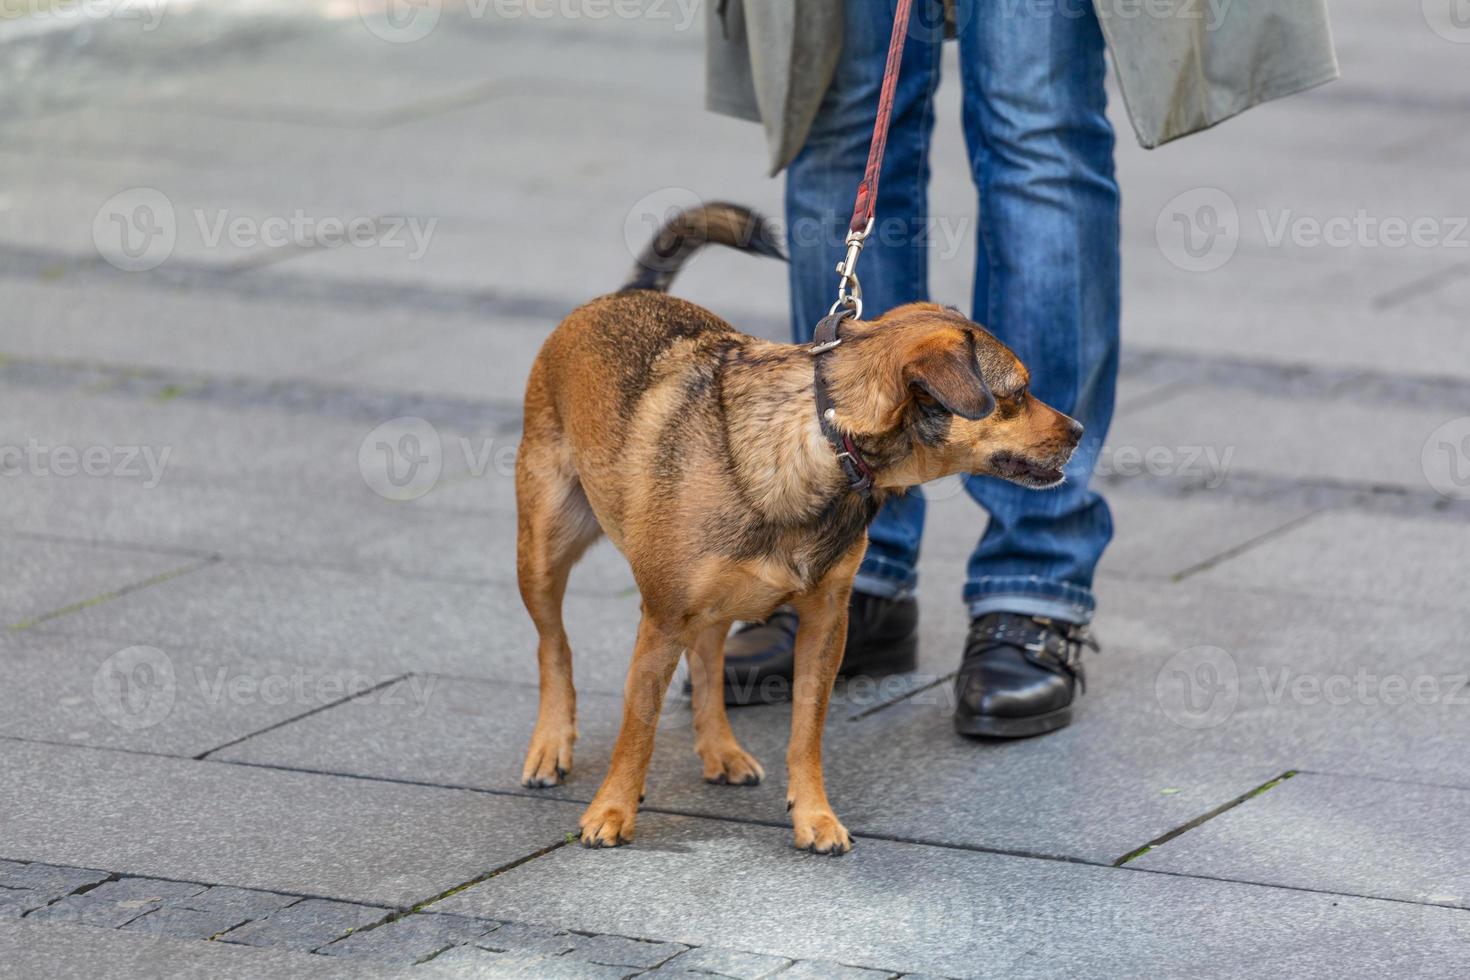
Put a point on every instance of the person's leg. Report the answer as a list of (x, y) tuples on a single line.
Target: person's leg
[(821, 184), (1046, 283)]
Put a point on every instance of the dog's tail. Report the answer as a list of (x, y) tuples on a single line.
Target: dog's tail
[(687, 232)]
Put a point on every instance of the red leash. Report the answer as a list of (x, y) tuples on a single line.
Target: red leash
[(849, 303), (849, 290)]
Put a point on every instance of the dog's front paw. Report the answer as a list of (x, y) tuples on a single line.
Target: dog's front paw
[(607, 825), (731, 765), (549, 759), (821, 833)]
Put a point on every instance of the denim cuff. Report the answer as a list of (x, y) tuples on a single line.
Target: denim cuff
[(880, 577), (1030, 595)]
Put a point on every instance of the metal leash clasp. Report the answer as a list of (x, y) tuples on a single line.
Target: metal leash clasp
[(849, 289)]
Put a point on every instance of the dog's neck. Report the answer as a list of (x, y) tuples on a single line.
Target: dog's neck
[(784, 464)]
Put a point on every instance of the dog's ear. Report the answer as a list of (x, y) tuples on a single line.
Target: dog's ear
[(948, 371)]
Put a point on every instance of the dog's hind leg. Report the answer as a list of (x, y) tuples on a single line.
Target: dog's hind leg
[(555, 524), (725, 762), (609, 820)]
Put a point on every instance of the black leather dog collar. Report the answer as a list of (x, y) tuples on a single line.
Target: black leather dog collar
[(854, 466)]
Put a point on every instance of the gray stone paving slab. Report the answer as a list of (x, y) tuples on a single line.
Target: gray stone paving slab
[(1153, 534), (48, 880), (265, 449), (47, 576), (473, 359), (180, 700), (82, 910), (1166, 536), (364, 532), (190, 331), (328, 65), (185, 923), (1371, 557), (306, 925), (622, 951), (313, 835), (827, 970), (1341, 685), (474, 961), (16, 902), (411, 938), (964, 914), (429, 542), (78, 952), (729, 963), (1296, 438), (368, 622), (1128, 776), (514, 937), (146, 890), (246, 903), (1280, 321), (1380, 838)]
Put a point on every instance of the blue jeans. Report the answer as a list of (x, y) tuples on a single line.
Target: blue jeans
[(1047, 270)]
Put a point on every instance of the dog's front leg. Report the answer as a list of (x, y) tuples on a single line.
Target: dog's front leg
[(608, 821), (820, 640)]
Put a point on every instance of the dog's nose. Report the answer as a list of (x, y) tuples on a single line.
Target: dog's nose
[(1074, 430)]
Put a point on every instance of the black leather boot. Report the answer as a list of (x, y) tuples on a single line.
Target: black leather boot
[(760, 661), (1020, 676)]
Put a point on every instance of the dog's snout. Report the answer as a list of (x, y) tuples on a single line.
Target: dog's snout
[(1074, 430)]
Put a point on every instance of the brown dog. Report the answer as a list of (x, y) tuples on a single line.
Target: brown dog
[(698, 450)]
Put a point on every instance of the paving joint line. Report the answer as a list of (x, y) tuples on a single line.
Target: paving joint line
[(1246, 545), (116, 875), (139, 547), (874, 709), (508, 866), (497, 934), (1318, 492), (1394, 780), (79, 890), (204, 756), (1425, 285), (781, 825), (118, 593), (1162, 364), (1204, 818), (355, 403), (653, 809), (1295, 888)]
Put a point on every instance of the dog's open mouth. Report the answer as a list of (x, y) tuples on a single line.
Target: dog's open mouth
[(1019, 469)]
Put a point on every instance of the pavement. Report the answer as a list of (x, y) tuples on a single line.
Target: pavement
[(273, 275)]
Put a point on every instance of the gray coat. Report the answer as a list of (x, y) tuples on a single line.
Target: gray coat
[(1199, 64)]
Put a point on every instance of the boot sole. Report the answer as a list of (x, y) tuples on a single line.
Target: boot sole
[(990, 726), (899, 657)]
